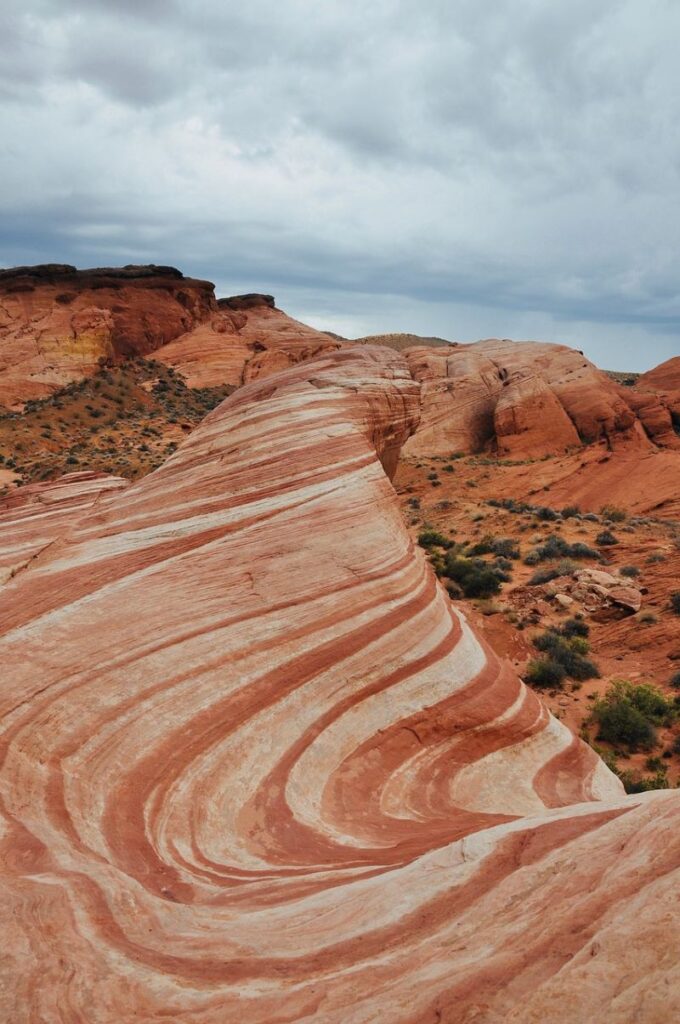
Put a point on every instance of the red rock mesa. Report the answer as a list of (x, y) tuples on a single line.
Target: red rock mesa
[(256, 768)]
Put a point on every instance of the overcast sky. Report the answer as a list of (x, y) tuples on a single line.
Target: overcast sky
[(454, 167)]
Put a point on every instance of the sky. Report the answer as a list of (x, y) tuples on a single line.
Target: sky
[(442, 167)]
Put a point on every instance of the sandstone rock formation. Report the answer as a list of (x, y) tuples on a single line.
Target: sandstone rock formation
[(57, 323), (256, 768), (525, 399), (665, 377), (32, 517), (247, 338)]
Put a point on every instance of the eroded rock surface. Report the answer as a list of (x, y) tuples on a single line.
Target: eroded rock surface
[(248, 338), (58, 323), (528, 399), (256, 768)]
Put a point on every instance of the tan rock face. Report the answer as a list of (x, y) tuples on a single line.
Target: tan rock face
[(256, 768), (58, 323)]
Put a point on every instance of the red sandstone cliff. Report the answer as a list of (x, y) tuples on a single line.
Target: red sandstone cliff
[(58, 323)]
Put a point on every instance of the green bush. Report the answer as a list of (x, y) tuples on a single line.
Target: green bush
[(606, 539), (490, 545), (557, 547), (545, 674), (474, 577), (569, 511), (629, 570), (614, 513), (628, 713), (574, 627), (432, 538), (552, 572), (622, 724), (569, 652)]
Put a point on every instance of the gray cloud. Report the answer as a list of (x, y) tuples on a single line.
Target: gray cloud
[(479, 172)]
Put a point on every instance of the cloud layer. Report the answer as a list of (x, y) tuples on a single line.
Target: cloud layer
[(441, 168)]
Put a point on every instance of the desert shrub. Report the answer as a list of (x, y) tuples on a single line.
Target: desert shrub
[(574, 627), (675, 681), (623, 725), (533, 558), (490, 545), (474, 577), (548, 515), (432, 538), (606, 538), (545, 674), (433, 475), (562, 568), (675, 602), (557, 547), (629, 570), (569, 511), (569, 652), (637, 784), (656, 556), (414, 502), (614, 513), (628, 713)]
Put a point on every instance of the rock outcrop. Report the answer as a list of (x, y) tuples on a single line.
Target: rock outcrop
[(57, 324), (523, 400), (255, 766), (247, 338)]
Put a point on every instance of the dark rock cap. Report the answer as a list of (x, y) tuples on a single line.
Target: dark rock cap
[(247, 301)]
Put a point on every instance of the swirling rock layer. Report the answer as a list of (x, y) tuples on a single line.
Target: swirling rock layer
[(256, 768)]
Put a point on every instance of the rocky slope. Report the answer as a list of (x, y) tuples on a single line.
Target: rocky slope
[(59, 324), (256, 767)]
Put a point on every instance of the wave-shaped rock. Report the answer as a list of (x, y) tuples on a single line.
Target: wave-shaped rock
[(255, 766)]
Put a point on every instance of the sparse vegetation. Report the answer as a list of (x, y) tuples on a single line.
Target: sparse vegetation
[(606, 539), (545, 674), (628, 715), (557, 547), (568, 650), (613, 513), (103, 422)]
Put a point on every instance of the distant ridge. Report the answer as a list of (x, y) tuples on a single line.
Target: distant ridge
[(399, 342)]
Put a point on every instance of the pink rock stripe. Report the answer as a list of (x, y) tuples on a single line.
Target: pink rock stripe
[(254, 767)]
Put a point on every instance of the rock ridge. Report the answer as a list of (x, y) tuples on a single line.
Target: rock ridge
[(255, 766)]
